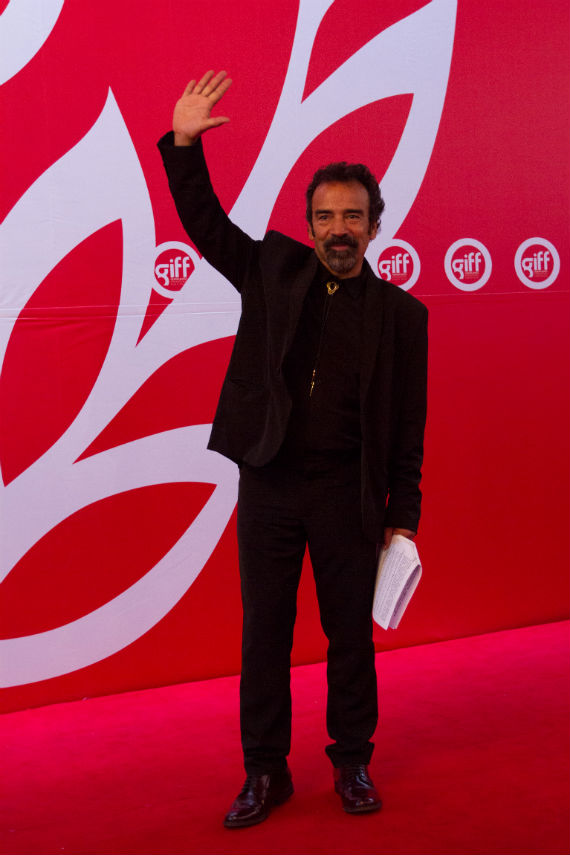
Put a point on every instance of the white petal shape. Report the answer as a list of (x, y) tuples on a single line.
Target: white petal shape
[(412, 56), (180, 457), (25, 26), (98, 181)]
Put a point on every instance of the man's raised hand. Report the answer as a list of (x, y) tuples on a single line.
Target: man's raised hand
[(192, 111)]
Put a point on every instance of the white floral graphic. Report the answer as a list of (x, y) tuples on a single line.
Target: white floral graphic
[(24, 27), (412, 56)]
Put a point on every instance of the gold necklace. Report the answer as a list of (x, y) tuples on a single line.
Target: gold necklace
[(332, 287)]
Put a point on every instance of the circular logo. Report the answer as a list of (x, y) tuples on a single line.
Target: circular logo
[(537, 263), (173, 264), (468, 264), (399, 263)]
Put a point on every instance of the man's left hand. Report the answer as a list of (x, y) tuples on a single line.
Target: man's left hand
[(389, 532)]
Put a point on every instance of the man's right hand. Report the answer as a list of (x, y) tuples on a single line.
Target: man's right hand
[(192, 111)]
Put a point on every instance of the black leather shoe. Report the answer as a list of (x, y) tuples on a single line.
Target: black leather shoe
[(357, 792), (259, 794)]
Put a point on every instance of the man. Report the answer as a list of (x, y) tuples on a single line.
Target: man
[(323, 409)]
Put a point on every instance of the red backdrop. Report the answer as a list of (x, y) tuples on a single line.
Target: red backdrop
[(118, 538)]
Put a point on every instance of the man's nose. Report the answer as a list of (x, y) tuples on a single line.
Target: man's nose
[(339, 229), (338, 226)]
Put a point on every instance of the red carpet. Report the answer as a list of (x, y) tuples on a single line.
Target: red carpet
[(472, 757)]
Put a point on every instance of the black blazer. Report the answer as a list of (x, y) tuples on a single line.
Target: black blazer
[(273, 276)]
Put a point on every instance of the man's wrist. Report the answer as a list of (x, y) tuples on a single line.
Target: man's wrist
[(183, 139)]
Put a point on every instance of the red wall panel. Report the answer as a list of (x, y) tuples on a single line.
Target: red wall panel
[(118, 552)]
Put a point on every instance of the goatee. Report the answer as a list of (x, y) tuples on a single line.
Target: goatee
[(341, 261)]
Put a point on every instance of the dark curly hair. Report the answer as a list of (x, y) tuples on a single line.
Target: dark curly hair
[(344, 172)]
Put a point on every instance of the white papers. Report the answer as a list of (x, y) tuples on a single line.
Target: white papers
[(399, 571)]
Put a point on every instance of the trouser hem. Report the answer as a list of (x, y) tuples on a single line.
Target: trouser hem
[(342, 757)]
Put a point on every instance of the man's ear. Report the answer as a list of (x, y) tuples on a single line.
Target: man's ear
[(310, 231), (373, 231)]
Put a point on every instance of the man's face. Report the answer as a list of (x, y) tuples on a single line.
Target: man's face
[(340, 227)]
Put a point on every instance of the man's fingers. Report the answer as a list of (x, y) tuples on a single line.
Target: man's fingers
[(220, 90), (210, 86), (216, 87), (216, 81), (405, 532), (218, 120), (204, 82)]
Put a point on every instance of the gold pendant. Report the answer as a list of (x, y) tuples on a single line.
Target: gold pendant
[(332, 287), (312, 382)]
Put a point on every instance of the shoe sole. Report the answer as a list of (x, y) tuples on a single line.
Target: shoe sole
[(364, 808)]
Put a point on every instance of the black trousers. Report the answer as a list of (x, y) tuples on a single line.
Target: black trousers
[(280, 512)]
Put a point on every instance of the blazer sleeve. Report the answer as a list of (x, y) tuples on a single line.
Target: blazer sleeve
[(223, 244), (404, 494)]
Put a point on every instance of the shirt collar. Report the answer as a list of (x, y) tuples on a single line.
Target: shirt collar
[(353, 285)]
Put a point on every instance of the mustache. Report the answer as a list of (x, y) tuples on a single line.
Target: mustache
[(346, 239)]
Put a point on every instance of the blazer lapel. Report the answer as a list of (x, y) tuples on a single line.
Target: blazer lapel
[(299, 287), (372, 329)]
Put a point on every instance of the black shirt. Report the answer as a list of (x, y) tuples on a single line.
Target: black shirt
[(322, 372)]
